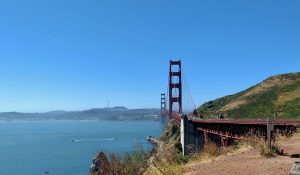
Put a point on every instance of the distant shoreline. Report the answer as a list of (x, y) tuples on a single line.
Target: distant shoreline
[(94, 114), (63, 120)]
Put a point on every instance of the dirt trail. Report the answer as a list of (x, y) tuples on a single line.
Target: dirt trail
[(250, 162)]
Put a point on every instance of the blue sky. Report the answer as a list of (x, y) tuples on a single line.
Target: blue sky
[(74, 55)]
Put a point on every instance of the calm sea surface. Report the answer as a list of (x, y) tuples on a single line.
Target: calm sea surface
[(33, 148)]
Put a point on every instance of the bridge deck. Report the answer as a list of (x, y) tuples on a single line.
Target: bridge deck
[(248, 122), (233, 129), (177, 118)]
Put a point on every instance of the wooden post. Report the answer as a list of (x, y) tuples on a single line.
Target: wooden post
[(205, 137), (270, 128)]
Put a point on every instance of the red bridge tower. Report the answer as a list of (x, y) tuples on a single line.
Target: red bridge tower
[(163, 107), (175, 88)]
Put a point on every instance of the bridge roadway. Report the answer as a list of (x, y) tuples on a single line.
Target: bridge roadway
[(177, 118), (228, 130), (295, 123)]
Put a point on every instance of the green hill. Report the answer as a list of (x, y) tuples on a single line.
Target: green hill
[(277, 96), (116, 113)]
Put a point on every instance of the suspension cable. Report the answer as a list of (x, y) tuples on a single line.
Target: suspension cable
[(190, 94)]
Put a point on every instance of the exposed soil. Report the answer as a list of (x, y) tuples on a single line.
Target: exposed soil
[(250, 162), (288, 96)]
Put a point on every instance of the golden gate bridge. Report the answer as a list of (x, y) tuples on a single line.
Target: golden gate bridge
[(196, 131)]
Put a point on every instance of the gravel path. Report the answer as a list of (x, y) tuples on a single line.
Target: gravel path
[(250, 162)]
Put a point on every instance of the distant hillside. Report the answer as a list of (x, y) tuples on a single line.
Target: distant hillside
[(276, 96), (116, 113)]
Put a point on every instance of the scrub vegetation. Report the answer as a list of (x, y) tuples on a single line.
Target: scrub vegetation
[(134, 163), (277, 96)]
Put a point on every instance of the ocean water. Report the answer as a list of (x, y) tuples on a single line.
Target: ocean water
[(66, 147)]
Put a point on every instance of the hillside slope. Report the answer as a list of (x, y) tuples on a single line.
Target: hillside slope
[(277, 96)]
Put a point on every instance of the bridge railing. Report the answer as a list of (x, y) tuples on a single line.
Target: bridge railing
[(246, 122)]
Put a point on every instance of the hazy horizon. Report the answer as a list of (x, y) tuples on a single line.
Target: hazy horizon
[(78, 109)]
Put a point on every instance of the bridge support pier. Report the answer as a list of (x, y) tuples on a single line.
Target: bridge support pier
[(190, 136), (183, 133)]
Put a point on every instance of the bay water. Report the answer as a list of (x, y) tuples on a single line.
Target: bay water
[(66, 147)]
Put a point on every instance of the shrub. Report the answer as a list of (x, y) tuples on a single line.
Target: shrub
[(250, 141), (210, 149), (178, 146), (181, 159), (134, 163), (269, 152)]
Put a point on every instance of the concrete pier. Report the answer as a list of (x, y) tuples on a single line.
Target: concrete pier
[(190, 136)]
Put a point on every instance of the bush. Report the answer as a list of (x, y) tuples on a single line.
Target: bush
[(210, 149), (178, 146), (252, 141), (181, 159), (134, 163), (269, 152)]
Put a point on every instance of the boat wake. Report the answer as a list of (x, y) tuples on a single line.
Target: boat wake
[(102, 139), (109, 139), (79, 140)]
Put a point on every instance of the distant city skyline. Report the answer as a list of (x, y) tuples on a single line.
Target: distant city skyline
[(77, 55)]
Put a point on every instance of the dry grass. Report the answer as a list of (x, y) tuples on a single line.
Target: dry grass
[(263, 147), (252, 141), (264, 86), (288, 96), (134, 163), (269, 152), (211, 152), (233, 104), (283, 138), (168, 159), (297, 134), (170, 169), (271, 82), (168, 162)]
